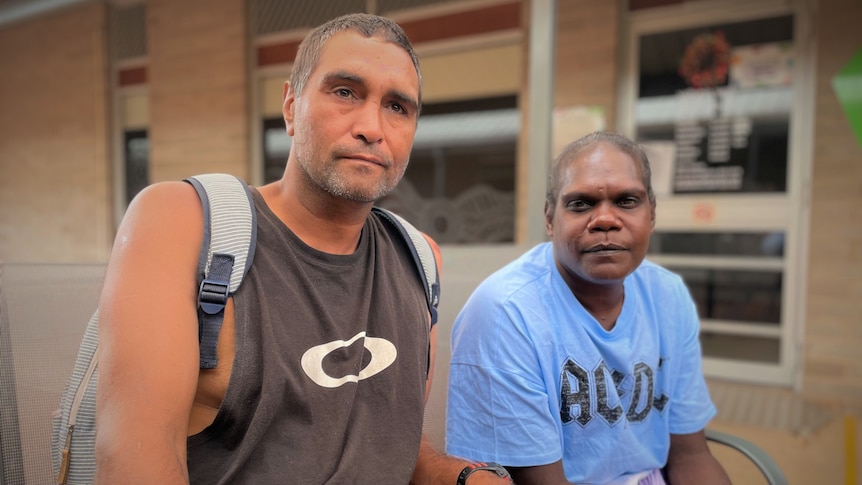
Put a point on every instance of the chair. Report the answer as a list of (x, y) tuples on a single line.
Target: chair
[(44, 309), (767, 466)]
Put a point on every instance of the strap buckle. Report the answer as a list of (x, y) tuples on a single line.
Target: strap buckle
[(212, 296)]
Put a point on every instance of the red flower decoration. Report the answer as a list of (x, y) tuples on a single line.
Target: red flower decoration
[(706, 61)]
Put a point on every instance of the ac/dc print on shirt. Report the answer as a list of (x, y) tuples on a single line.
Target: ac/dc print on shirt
[(608, 393)]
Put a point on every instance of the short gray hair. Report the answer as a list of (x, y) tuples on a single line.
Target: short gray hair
[(574, 149), (308, 54)]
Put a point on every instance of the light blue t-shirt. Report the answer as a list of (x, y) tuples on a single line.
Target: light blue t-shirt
[(534, 378)]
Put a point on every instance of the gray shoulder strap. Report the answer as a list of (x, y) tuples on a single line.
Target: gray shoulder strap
[(227, 251), (423, 256)]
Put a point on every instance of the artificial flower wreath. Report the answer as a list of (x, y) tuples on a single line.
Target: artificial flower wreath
[(706, 61)]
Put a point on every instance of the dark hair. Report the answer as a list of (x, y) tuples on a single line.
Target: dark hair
[(574, 149), (308, 54)]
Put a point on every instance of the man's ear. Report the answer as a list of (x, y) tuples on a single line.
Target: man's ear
[(288, 102), (652, 217), (549, 218)]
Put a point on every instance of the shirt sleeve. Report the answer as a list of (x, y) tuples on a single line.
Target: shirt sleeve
[(498, 406), (691, 408)]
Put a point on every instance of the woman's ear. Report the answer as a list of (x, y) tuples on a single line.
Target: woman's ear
[(288, 101)]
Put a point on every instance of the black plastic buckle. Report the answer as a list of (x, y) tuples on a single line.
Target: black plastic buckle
[(212, 296)]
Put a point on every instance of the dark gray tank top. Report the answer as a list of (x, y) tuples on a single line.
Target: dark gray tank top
[(328, 379)]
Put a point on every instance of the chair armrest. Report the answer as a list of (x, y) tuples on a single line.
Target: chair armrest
[(764, 462)]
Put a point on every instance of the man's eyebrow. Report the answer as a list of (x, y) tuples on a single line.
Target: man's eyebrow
[(348, 77), (342, 76), (638, 192)]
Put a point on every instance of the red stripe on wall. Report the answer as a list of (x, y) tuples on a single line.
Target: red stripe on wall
[(640, 4), (132, 75), (481, 21), (277, 53)]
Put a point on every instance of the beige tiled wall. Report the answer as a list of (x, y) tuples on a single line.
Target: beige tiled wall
[(54, 169), (198, 75), (833, 332), (586, 54)]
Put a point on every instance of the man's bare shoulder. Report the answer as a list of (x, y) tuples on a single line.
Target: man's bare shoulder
[(158, 243), (166, 204)]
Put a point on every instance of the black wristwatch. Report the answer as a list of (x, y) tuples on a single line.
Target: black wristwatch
[(490, 466)]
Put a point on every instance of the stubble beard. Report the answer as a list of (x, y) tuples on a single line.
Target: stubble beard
[(343, 185)]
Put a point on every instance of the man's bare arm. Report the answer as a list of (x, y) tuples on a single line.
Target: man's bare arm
[(432, 466), (550, 474), (436, 468), (148, 355), (690, 461)]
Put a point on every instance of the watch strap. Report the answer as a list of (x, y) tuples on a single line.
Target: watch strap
[(489, 466)]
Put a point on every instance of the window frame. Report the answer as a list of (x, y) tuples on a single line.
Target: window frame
[(788, 212)]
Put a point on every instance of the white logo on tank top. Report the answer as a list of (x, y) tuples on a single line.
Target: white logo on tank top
[(382, 352)]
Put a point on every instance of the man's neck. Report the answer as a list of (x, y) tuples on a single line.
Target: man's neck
[(603, 301), (319, 220)]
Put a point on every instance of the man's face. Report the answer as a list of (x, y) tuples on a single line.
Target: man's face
[(353, 124), (602, 220)]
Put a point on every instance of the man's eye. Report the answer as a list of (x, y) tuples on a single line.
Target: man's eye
[(343, 92), (628, 202), (577, 205), (399, 108)]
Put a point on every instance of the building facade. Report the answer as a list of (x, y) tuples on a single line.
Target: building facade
[(756, 166)]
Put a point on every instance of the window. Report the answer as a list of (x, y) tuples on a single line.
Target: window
[(460, 184), (715, 100), (136, 151), (729, 137)]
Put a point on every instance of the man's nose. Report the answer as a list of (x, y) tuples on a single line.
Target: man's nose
[(368, 125), (604, 218)]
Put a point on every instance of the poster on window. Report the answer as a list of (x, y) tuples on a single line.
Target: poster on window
[(762, 65), (714, 106)]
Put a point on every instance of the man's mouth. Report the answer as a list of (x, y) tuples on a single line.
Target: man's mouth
[(364, 158), (601, 248)]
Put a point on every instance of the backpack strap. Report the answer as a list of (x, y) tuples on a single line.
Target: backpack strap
[(422, 254), (227, 251)]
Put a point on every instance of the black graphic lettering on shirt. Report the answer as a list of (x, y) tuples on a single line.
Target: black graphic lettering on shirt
[(643, 377), (583, 398), (659, 402), (579, 397), (611, 414)]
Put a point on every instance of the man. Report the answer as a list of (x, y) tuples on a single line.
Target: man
[(326, 274), (579, 362)]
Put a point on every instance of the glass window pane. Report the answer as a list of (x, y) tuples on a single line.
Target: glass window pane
[(713, 106), (738, 347), (460, 184), (746, 296), (137, 157), (713, 243), (276, 147)]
